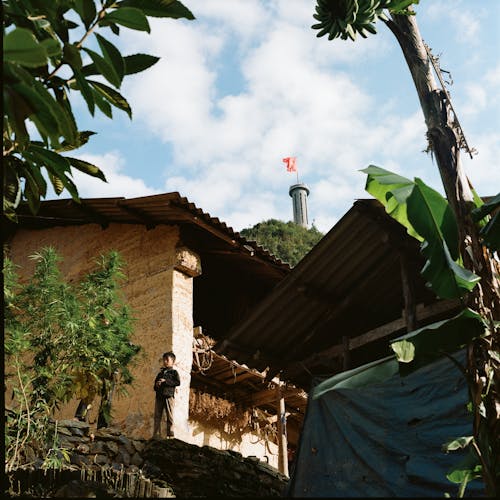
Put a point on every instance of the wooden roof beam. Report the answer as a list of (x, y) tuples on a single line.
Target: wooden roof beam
[(268, 396), (423, 313), (142, 215), (94, 214)]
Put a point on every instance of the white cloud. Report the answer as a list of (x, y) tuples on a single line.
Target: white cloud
[(465, 21), (118, 183), (294, 95), (483, 169), (296, 101)]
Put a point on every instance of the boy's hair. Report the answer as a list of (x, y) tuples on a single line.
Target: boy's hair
[(169, 354)]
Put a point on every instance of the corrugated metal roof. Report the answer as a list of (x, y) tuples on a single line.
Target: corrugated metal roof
[(348, 284), (168, 208)]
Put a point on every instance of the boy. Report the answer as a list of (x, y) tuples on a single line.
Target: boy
[(165, 383)]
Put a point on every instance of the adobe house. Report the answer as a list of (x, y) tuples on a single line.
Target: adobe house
[(189, 279)]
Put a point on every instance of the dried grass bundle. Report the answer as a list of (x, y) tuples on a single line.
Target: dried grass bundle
[(218, 412)]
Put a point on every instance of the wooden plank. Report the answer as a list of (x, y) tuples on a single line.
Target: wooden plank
[(244, 376), (378, 333), (138, 213), (267, 396), (282, 440), (346, 355), (408, 294)]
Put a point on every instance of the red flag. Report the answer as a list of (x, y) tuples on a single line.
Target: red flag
[(291, 165)]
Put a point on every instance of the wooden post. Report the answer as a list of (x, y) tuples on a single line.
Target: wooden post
[(408, 294), (346, 354), (282, 440)]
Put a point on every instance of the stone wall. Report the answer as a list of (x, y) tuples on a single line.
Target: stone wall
[(111, 463)]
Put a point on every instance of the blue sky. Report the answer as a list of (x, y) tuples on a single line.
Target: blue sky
[(248, 83)]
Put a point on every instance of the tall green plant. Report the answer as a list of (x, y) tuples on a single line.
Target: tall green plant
[(427, 216), (106, 329), (45, 43), (62, 341)]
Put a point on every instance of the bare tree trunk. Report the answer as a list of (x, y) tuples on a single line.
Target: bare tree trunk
[(444, 141)]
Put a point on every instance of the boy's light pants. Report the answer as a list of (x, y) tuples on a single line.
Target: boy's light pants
[(164, 403)]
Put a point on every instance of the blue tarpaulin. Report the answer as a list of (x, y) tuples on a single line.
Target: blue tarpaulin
[(370, 432)]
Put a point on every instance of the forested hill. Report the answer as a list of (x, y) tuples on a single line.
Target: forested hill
[(286, 240)]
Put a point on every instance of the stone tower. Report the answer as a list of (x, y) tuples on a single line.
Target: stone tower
[(299, 193)]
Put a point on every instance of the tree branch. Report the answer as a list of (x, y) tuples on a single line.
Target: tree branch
[(101, 14)]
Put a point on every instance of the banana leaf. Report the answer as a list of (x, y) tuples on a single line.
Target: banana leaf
[(422, 346), (431, 216)]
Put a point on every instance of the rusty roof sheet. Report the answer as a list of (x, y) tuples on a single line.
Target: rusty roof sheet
[(348, 284), (167, 208)]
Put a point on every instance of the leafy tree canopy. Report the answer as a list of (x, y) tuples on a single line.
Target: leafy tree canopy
[(62, 341), (53, 49), (286, 240)]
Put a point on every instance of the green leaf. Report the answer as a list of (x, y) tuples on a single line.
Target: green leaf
[(104, 67), (136, 63), (392, 190), (63, 116), (56, 166), (457, 443), (129, 17), (38, 110), (20, 46), (428, 343), (85, 90), (401, 6), (112, 96), (31, 190), (32, 197), (87, 168), (90, 69), (53, 118), (115, 29), (11, 187), (56, 182), (44, 157), (160, 8), (83, 138), (52, 47), (39, 179), (112, 55), (86, 10), (67, 183), (72, 56), (466, 470), (486, 208), (17, 109), (102, 103), (405, 351), (432, 217), (491, 233), (490, 230)]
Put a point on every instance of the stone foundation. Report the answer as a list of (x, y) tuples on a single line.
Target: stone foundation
[(108, 463)]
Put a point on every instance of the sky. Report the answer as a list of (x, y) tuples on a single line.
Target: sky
[(248, 83)]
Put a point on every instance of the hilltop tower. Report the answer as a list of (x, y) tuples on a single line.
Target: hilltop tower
[(299, 194)]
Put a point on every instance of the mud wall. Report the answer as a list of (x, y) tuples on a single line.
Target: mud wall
[(149, 256)]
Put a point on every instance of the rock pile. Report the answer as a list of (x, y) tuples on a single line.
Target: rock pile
[(109, 464), (105, 447)]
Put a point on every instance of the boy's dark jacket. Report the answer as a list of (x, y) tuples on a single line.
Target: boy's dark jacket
[(167, 389)]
